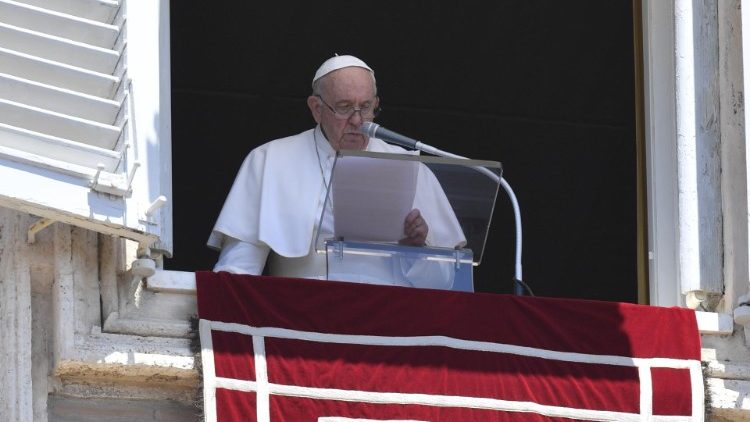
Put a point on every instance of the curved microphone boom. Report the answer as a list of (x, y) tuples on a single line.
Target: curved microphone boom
[(374, 130)]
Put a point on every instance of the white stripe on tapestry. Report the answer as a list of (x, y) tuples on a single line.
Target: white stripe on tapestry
[(696, 385), (647, 393), (261, 377), (343, 419), (454, 343), (443, 401), (209, 371)]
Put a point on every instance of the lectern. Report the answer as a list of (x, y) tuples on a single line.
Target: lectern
[(369, 195)]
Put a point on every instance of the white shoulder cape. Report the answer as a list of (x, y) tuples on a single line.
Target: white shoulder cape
[(275, 198)]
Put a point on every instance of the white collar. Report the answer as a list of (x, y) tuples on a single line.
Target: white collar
[(322, 143)]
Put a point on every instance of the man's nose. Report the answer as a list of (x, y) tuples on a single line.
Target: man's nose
[(356, 118)]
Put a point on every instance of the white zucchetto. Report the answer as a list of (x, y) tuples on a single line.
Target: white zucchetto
[(339, 62)]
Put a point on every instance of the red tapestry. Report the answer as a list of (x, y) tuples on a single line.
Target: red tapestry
[(277, 349)]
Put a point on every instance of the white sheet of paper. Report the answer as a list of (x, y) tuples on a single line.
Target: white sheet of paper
[(371, 197)]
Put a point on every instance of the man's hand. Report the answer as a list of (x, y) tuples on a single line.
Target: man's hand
[(415, 229)]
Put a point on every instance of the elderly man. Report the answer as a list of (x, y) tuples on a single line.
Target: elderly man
[(273, 207)]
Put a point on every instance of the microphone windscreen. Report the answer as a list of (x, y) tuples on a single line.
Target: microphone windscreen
[(369, 128)]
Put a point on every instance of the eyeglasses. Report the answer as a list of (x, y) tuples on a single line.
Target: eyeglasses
[(345, 112)]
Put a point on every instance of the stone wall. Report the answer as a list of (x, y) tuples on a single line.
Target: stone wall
[(83, 339)]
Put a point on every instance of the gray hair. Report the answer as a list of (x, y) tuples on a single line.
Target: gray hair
[(317, 86)]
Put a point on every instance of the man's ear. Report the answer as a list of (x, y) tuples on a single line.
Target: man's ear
[(315, 107)]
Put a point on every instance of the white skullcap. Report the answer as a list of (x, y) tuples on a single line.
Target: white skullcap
[(339, 62)]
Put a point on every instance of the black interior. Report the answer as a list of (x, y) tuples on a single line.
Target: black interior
[(545, 87)]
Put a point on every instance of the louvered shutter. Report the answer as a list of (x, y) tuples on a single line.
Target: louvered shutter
[(85, 114)]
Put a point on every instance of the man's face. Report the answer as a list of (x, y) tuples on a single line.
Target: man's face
[(344, 88)]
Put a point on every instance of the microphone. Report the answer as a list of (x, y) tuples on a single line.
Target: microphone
[(374, 130)]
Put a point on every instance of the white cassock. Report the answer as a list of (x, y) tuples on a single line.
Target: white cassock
[(275, 205)]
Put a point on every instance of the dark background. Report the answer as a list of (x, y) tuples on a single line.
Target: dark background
[(545, 87)]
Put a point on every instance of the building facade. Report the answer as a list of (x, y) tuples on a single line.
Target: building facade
[(95, 330)]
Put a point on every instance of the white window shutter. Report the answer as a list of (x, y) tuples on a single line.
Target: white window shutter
[(85, 114)]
